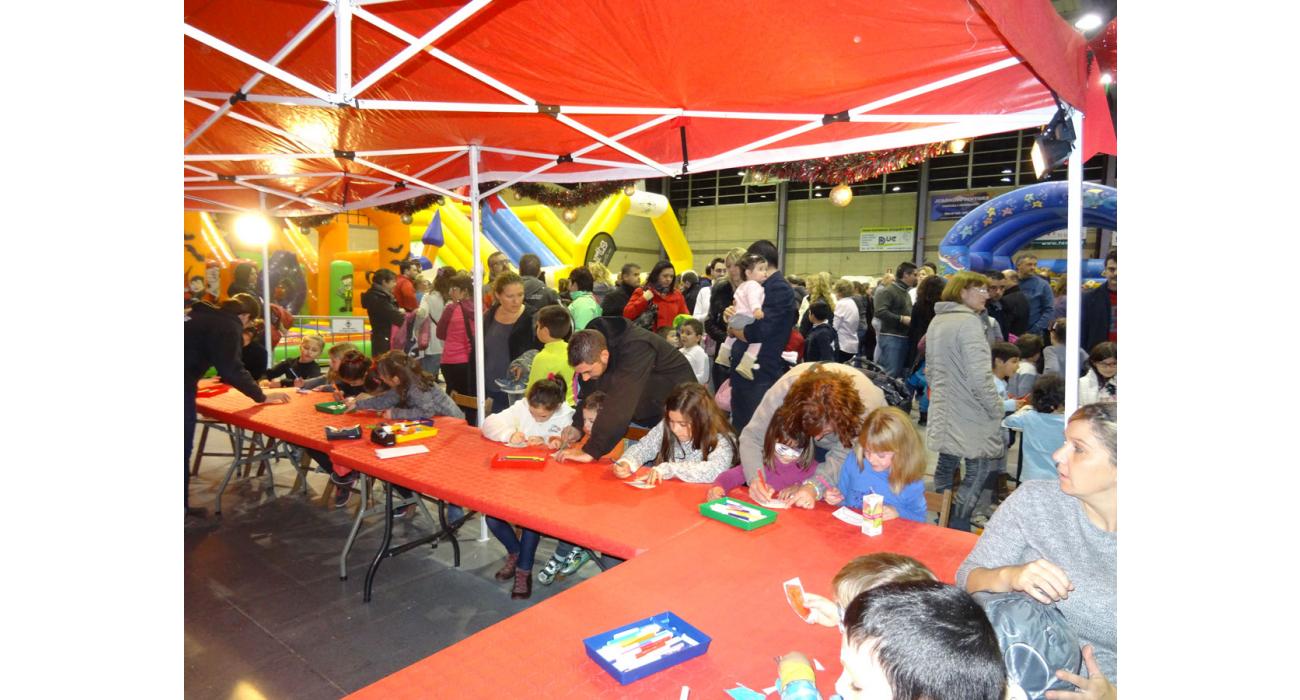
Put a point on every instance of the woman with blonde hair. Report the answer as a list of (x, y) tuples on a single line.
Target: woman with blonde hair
[(601, 280), (819, 289), (965, 417), (721, 296)]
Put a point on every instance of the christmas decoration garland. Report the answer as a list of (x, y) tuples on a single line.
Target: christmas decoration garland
[(412, 205), (579, 195), (311, 221), (851, 168)]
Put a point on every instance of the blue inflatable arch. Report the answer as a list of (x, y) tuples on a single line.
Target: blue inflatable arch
[(988, 236)]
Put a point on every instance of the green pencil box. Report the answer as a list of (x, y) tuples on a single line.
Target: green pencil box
[(333, 407), (764, 517)]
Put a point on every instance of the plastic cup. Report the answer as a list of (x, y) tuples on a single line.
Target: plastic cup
[(873, 514)]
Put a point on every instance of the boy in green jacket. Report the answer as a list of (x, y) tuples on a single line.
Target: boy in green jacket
[(553, 327)]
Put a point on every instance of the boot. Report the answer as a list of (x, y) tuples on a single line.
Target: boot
[(508, 569), (746, 366), (724, 357), (523, 585)]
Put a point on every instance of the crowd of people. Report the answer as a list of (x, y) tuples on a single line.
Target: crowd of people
[(798, 388)]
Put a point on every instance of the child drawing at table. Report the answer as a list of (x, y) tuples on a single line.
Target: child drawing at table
[(749, 308), (909, 639), (297, 371), (694, 442), (788, 456), (863, 574), (889, 460), (537, 420), (411, 394), (323, 381), (569, 558)]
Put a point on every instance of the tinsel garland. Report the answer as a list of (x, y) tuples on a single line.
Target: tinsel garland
[(412, 205), (311, 221), (579, 195), (848, 169)]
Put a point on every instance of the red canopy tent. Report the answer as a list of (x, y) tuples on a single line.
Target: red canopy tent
[(297, 107)]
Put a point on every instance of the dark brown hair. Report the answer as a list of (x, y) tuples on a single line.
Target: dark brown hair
[(708, 424)]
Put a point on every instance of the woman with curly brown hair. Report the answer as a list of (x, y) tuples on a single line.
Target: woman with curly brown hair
[(824, 402)]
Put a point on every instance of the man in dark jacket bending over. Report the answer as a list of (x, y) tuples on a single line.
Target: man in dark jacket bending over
[(215, 337), (637, 370)]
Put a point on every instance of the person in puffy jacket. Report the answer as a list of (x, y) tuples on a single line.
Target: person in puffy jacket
[(381, 306), (659, 288), (965, 417)]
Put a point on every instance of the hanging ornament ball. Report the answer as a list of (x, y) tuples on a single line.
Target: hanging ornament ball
[(629, 190), (518, 197), (841, 195), (406, 219), (570, 215)]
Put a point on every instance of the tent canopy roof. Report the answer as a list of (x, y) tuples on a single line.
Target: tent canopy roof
[(336, 103)]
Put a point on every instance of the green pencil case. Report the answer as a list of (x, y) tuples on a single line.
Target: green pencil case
[(333, 407), (737, 513)]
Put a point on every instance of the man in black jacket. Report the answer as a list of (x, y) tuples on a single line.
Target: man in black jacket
[(214, 337), (1098, 308), (628, 282), (635, 368), (381, 306), (773, 331), (1015, 309)]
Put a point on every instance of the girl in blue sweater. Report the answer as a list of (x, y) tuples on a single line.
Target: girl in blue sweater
[(890, 461)]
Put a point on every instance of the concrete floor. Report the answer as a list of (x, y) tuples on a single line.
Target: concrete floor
[(266, 615)]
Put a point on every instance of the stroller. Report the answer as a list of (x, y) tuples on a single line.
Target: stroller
[(897, 392)]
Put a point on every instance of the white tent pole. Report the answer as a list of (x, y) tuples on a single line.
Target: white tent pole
[(215, 203), (309, 192), (1074, 267), (247, 120), (374, 198), (343, 49), (244, 57), (429, 186), (870, 106), (217, 157), (266, 280), (477, 227), (453, 20), (257, 77), (278, 193), (287, 100), (612, 143), (410, 151)]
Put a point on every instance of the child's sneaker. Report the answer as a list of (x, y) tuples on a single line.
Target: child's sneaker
[(342, 488), (746, 366), (576, 560), (548, 572)]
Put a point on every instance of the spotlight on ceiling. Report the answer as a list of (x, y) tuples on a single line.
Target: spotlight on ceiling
[(1053, 146), (1088, 22), (957, 145)]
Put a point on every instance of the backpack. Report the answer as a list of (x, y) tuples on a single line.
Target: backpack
[(412, 335), (897, 392)]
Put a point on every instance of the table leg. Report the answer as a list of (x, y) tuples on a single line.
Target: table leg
[(237, 444), (383, 546), (362, 512)]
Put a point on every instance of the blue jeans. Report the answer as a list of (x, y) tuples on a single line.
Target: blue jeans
[(525, 546), (979, 472), (893, 354)]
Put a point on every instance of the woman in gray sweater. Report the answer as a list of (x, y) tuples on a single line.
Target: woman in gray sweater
[(1055, 541), (965, 418)]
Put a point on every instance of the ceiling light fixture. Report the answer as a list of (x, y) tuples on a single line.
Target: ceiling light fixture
[(1088, 22), (1053, 146)]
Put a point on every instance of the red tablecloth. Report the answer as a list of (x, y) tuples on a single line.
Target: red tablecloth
[(724, 581), (581, 503), (297, 422)]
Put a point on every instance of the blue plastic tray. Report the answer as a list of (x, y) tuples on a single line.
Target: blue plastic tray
[(666, 620)]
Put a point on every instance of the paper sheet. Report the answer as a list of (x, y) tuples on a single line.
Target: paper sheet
[(849, 516), (639, 484), (404, 450), (773, 503), (818, 665)]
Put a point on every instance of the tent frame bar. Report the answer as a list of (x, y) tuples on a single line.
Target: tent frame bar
[(451, 22), (252, 82)]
